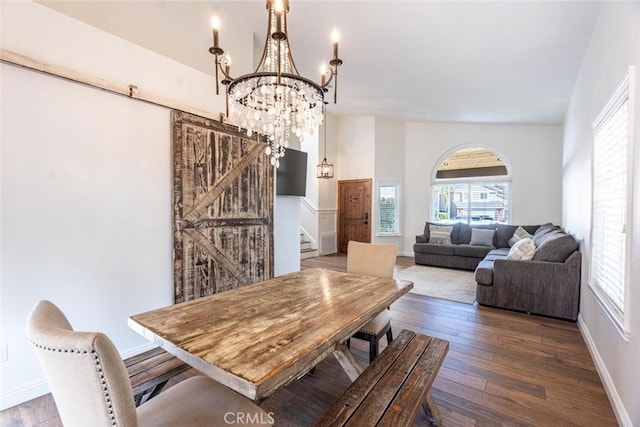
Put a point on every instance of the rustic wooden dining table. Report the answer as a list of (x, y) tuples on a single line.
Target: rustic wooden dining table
[(258, 338)]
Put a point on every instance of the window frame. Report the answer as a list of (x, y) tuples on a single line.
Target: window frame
[(396, 185), (619, 317), (470, 182)]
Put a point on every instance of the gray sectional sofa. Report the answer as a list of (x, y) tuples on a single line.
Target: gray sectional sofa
[(549, 284)]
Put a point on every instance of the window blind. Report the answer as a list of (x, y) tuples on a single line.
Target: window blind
[(610, 180), (388, 206)]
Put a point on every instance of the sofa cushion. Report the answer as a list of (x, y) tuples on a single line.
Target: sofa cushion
[(440, 234), (503, 233), (432, 248), (500, 253), (548, 235), (542, 231), (522, 250), (484, 273), (464, 234), (531, 229), (471, 250), (556, 247), (455, 234), (482, 237), (519, 234)]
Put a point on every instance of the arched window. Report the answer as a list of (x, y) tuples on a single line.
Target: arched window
[(471, 184)]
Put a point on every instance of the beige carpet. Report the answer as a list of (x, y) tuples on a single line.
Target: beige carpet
[(445, 283)]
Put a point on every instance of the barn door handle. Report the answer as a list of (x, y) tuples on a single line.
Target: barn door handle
[(366, 218)]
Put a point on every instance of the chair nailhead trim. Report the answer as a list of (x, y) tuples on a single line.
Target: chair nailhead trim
[(94, 355)]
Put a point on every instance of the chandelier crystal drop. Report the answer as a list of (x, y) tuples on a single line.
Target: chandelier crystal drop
[(275, 100)]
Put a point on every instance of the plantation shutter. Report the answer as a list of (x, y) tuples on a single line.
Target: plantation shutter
[(388, 209), (610, 176)]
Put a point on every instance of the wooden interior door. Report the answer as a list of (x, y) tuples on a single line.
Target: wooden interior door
[(354, 212), (223, 208)]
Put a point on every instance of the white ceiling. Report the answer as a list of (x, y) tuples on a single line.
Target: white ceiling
[(475, 61)]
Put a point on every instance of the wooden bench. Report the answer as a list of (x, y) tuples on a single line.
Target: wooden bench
[(150, 371), (391, 389)]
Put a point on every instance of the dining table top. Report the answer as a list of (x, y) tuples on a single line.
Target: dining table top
[(257, 338)]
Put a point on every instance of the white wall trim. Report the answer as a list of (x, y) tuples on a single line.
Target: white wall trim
[(29, 391), (26, 392), (309, 204), (134, 351), (607, 381), (406, 253), (314, 243), (314, 208)]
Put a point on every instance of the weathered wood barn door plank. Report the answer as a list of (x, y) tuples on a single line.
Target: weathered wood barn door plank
[(222, 208)]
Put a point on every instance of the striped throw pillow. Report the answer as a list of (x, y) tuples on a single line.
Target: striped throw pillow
[(440, 234)]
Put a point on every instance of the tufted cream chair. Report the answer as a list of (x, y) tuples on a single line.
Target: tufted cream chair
[(373, 260), (91, 387)]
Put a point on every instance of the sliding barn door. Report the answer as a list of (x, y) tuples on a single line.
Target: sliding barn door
[(222, 206)]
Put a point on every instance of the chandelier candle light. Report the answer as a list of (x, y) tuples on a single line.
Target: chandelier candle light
[(275, 100)]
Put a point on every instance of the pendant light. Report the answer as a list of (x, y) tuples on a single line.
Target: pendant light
[(325, 169)]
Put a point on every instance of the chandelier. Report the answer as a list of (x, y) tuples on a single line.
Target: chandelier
[(275, 100)]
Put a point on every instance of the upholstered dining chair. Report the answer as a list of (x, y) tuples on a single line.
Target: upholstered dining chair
[(90, 385), (373, 260)]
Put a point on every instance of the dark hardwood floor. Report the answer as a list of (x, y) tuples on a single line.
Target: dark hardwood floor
[(503, 368)]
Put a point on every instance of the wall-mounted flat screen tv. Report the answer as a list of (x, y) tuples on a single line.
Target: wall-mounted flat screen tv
[(291, 176)]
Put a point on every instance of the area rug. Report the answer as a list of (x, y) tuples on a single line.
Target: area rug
[(445, 283)]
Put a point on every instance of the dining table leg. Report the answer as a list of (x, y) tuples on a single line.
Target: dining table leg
[(351, 366)]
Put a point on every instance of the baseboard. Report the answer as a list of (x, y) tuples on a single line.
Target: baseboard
[(23, 394), (614, 398), (137, 349), (27, 392), (409, 254)]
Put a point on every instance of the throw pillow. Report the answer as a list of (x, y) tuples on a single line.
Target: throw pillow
[(518, 235), (440, 234), (542, 231), (482, 237), (556, 248), (522, 250)]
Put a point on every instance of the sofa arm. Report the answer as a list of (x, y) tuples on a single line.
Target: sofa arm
[(541, 287), (422, 239)]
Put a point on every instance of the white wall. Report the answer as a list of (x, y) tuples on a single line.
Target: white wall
[(327, 188), (85, 202), (533, 153), (389, 168), (614, 46), (309, 203), (318, 208), (86, 211), (355, 140), (310, 146), (34, 30), (286, 230)]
